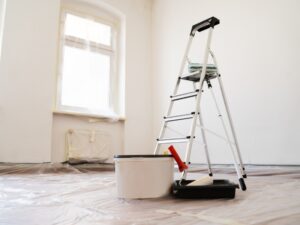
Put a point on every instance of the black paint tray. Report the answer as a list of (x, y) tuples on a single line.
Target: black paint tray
[(219, 189)]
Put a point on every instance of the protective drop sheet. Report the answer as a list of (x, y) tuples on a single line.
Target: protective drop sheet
[(62, 194)]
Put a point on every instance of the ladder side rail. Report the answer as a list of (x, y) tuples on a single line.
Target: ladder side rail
[(192, 130), (203, 136), (229, 115), (231, 127), (185, 58), (238, 168), (198, 98), (236, 164), (163, 128), (221, 118)]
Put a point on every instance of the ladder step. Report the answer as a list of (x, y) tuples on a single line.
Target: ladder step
[(179, 117), (173, 140), (184, 95)]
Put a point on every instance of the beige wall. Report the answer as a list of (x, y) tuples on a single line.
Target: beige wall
[(28, 77), (2, 15), (27, 70), (257, 47)]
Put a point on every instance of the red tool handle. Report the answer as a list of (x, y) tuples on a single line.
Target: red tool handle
[(181, 165)]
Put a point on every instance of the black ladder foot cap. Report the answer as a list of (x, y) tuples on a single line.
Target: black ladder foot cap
[(210, 174), (245, 176), (242, 184)]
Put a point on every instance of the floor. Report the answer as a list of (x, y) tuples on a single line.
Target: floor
[(63, 194)]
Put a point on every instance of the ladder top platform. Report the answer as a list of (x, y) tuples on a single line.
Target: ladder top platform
[(195, 70)]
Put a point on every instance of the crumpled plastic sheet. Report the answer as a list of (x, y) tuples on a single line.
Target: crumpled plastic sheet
[(61, 194)]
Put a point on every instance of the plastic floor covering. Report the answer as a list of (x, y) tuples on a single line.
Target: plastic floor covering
[(45, 194)]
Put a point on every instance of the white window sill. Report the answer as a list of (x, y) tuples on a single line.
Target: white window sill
[(93, 117)]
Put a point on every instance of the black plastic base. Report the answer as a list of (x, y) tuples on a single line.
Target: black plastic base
[(219, 189), (210, 174)]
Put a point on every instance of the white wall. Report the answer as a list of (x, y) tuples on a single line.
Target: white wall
[(27, 83), (138, 125), (257, 47), (27, 69), (2, 16)]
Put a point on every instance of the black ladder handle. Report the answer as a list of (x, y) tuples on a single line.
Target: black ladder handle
[(210, 22)]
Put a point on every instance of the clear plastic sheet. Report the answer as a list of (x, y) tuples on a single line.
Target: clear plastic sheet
[(62, 194)]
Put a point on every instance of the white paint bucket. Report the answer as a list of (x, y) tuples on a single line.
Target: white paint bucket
[(144, 176)]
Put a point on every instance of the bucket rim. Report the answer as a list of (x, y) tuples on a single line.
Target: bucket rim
[(142, 156)]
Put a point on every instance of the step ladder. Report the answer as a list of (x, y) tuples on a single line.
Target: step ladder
[(199, 74)]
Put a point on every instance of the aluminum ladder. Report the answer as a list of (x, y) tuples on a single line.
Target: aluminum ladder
[(199, 74)]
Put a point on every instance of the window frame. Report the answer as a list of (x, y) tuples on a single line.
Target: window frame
[(111, 51)]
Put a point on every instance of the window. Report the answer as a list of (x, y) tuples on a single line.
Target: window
[(87, 77)]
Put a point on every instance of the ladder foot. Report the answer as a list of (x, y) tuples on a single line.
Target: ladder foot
[(210, 174), (244, 172), (242, 184)]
